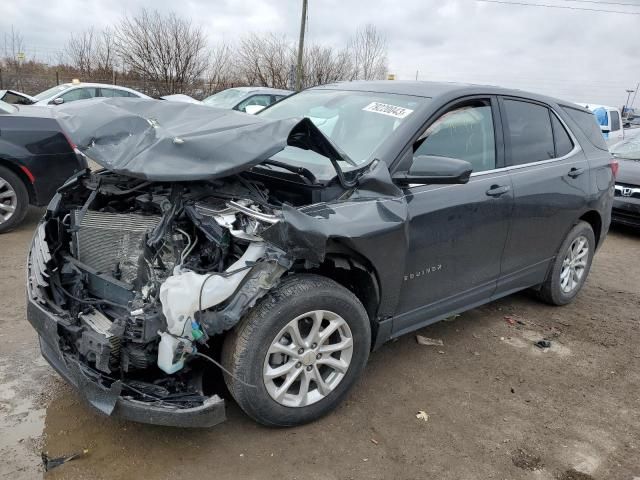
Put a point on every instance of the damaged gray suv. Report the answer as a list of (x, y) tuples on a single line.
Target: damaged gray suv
[(273, 253)]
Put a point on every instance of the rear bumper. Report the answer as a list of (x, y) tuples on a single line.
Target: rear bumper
[(626, 212), (107, 399)]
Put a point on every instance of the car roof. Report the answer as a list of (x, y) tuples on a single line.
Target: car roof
[(101, 85), (436, 89), (262, 89), (91, 84)]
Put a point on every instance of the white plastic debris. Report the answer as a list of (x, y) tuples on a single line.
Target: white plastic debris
[(433, 342), (422, 415)]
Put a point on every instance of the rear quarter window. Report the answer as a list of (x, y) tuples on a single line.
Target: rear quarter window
[(564, 145), (587, 123)]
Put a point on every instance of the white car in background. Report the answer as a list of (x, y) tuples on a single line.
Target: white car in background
[(243, 99), (611, 124), (180, 97), (246, 99), (74, 91)]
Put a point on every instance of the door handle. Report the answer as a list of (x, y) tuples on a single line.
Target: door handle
[(498, 190), (576, 172)]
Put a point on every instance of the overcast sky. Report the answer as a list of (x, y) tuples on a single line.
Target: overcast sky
[(573, 54)]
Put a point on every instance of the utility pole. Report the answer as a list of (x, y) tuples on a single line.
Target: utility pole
[(629, 92), (633, 100), (303, 23)]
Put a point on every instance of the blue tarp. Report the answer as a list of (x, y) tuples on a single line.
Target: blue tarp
[(603, 119)]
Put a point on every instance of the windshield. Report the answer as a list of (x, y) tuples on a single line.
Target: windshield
[(356, 122), (629, 149), (225, 99), (6, 108), (51, 92)]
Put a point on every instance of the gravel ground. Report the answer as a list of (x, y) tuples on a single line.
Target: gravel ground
[(497, 406)]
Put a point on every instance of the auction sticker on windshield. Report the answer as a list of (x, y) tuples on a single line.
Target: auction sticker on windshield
[(386, 109)]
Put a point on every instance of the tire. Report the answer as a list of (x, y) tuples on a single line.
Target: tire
[(14, 196), (246, 347), (554, 290)]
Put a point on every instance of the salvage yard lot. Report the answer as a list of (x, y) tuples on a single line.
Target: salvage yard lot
[(498, 407)]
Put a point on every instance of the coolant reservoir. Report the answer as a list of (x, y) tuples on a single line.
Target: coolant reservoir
[(180, 298), (170, 360)]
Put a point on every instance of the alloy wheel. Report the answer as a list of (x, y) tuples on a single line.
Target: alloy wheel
[(8, 201), (574, 264), (308, 358)]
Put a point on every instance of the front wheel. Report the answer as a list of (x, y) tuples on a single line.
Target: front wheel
[(295, 356), (571, 266)]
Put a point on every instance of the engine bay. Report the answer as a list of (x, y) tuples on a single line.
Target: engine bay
[(144, 275)]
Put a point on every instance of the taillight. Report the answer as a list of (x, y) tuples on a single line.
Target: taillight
[(614, 167)]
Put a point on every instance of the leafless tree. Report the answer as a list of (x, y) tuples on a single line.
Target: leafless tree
[(13, 45), (81, 51), (105, 54), (165, 49), (265, 60), (368, 49), (14, 55), (222, 70), (323, 64)]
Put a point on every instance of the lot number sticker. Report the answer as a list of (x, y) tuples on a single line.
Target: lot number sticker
[(386, 109)]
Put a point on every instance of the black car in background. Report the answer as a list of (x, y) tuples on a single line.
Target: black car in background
[(287, 245), (35, 159), (626, 203)]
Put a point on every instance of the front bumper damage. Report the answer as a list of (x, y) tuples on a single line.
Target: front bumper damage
[(120, 360), (138, 271), (101, 393)]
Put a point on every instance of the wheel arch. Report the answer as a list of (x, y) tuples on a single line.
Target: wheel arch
[(355, 273), (593, 218), (22, 176)]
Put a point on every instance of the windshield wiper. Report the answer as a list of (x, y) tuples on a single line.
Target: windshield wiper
[(303, 172), (307, 136)]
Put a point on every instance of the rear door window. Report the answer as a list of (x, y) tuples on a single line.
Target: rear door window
[(588, 125), (112, 92), (563, 141), (529, 134)]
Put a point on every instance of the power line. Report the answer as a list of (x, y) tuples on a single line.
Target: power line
[(599, 2), (566, 7)]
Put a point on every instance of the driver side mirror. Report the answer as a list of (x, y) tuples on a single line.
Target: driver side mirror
[(57, 101), (432, 169)]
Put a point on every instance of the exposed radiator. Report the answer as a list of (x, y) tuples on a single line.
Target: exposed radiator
[(39, 257), (106, 241)]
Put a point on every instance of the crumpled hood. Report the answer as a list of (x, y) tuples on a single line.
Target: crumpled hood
[(171, 141)]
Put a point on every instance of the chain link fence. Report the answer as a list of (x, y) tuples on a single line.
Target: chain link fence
[(34, 83)]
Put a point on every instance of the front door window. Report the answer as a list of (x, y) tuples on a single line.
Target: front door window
[(466, 133)]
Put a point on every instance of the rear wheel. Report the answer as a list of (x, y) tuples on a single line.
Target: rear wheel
[(571, 266), (301, 349), (14, 200)]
